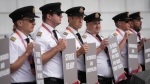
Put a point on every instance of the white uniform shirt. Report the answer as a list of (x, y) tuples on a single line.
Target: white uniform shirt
[(141, 52), (16, 48), (80, 59), (53, 68), (103, 68), (124, 54)]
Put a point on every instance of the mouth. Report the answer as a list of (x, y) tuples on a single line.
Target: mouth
[(97, 29)]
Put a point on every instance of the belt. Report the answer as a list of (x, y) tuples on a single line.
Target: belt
[(54, 79), (81, 72), (127, 73), (101, 78), (143, 67), (25, 83)]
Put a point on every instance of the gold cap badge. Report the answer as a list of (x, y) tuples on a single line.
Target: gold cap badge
[(60, 6), (139, 13), (96, 15), (33, 10), (127, 14), (81, 10)]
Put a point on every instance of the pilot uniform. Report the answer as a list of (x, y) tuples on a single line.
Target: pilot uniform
[(103, 67), (17, 47), (72, 33), (47, 38), (141, 59), (120, 35)]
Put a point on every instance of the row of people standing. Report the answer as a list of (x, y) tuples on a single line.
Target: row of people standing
[(52, 43)]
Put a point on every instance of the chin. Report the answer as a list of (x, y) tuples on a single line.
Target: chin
[(31, 30), (79, 26)]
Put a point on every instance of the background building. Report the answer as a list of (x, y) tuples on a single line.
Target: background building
[(108, 9)]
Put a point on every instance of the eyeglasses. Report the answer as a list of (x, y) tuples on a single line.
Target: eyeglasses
[(57, 13), (31, 20), (127, 21)]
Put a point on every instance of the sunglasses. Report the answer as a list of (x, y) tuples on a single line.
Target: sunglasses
[(31, 20), (127, 21), (57, 13)]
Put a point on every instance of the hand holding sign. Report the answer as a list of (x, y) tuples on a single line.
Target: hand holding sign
[(70, 62), (104, 43), (83, 49), (30, 47), (115, 58), (127, 33), (61, 45)]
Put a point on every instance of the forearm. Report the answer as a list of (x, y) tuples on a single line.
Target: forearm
[(49, 54), (78, 53), (121, 44), (98, 50), (139, 47), (18, 63)]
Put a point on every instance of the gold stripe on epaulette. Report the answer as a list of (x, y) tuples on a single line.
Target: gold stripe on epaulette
[(39, 33), (13, 39), (115, 34), (84, 36), (65, 33)]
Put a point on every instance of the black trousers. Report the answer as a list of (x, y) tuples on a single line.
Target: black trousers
[(82, 76), (25, 83), (143, 67), (127, 81), (52, 80), (104, 80)]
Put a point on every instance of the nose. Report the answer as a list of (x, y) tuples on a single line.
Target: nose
[(81, 19), (61, 16), (34, 23)]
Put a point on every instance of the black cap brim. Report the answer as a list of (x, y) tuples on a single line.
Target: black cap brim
[(138, 18), (31, 15), (59, 11), (78, 14)]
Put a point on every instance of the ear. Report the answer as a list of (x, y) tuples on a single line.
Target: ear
[(87, 24), (69, 18), (19, 23), (119, 22), (131, 23), (49, 16)]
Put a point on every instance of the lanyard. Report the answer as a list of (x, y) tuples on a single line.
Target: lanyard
[(134, 33), (93, 36), (119, 32), (49, 32), (21, 39), (100, 42), (74, 35)]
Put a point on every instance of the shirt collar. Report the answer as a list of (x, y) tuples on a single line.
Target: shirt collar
[(121, 31), (22, 34), (73, 30), (133, 31), (90, 33), (48, 26)]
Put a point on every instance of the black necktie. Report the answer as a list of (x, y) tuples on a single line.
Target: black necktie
[(55, 34), (27, 40), (139, 35), (106, 49), (54, 31), (79, 37), (98, 37), (31, 59)]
